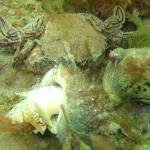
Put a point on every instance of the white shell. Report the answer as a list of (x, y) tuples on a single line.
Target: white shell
[(40, 105)]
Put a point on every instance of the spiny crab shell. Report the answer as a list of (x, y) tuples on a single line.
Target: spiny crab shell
[(127, 75)]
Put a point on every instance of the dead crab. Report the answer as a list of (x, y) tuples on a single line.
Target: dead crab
[(79, 38)]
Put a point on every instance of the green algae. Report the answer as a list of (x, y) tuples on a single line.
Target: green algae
[(140, 37), (53, 7)]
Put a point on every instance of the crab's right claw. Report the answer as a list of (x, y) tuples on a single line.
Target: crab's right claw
[(115, 22)]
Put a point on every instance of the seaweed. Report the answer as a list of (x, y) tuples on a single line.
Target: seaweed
[(6, 125), (103, 8), (52, 7), (140, 37), (130, 128), (137, 70), (99, 143)]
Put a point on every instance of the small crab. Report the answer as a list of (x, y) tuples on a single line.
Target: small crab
[(21, 40)]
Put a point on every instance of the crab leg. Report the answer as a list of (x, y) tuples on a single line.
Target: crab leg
[(10, 38), (34, 29), (8, 34), (21, 55)]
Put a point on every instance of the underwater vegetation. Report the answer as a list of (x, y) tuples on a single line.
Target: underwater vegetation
[(6, 125), (101, 8), (141, 36), (114, 108), (19, 8), (53, 7)]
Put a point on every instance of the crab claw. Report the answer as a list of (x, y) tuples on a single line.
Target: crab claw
[(21, 55), (115, 22)]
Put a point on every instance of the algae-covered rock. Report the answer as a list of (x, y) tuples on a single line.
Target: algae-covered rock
[(75, 38), (129, 77), (68, 37)]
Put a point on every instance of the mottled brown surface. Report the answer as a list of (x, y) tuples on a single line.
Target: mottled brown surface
[(68, 38)]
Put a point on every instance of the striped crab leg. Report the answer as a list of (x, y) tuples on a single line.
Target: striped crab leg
[(10, 38), (30, 33), (34, 29)]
